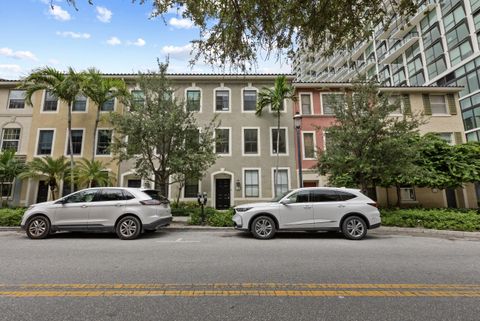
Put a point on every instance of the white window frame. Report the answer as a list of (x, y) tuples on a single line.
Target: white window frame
[(314, 144), (322, 111), (229, 141), (324, 139), (19, 138), (38, 140), (258, 142), (190, 198), (452, 141), (68, 138), (446, 106), (273, 178), (222, 88), (109, 111), (286, 142), (259, 170), (43, 105), (402, 106), (403, 189), (86, 106), (8, 101), (285, 106), (192, 88), (312, 112), (96, 142), (249, 87)]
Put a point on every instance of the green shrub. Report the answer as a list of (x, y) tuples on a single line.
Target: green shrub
[(439, 219), (11, 216), (221, 219), (185, 205)]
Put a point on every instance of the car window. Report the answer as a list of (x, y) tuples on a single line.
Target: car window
[(154, 194), (128, 195), (81, 197), (346, 196), (325, 195), (107, 195), (299, 197)]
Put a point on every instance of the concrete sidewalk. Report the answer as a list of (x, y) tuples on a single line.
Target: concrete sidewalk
[(180, 223)]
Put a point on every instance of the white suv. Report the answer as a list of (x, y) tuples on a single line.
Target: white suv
[(125, 211), (310, 209)]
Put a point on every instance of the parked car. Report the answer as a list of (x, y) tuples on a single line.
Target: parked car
[(310, 209), (125, 211)]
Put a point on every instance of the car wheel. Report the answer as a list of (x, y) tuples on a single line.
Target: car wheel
[(354, 228), (128, 228), (263, 227), (38, 227)]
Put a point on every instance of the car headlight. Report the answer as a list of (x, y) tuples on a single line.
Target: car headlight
[(30, 207), (243, 209)]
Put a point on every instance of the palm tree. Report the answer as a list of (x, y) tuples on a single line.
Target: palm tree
[(92, 173), (64, 86), (274, 97), (100, 90), (10, 168), (54, 169)]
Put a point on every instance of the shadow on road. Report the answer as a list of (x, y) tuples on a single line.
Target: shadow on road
[(305, 235)]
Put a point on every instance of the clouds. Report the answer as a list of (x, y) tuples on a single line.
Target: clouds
[(178, 52), (181, 23), (7, 52), (139, 42), (59, 14), (10, 71), (103, 14), (114, 41), (74, 35)]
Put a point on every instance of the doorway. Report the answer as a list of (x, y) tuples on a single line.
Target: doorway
[(222, 193)]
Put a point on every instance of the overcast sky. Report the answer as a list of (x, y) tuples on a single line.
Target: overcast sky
[(114, 36)]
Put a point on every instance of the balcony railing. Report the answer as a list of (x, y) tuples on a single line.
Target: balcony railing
[(395, 52), (404, 26)]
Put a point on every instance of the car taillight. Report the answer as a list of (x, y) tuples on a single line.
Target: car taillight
[(150, 202), (373, 204)]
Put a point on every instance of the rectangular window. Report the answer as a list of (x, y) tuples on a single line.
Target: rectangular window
[(193, 100), (252, 183), (222, 100), (191, 188), (308, 145), (282, 185), (249, 100), (457, 35), (109, 105), (417, 79), (415, 65), (16, 99), (45, 142), (306, 104), (446, 137), (428, 21), (433, 52), (138, 97), (250, 141), (10, 139), (407, 194), (436, 68), (454, 17), (222, 141), (282, 146), (104, 139), (50, 103), (461, 52), (135, 183), (398, 78), (430, 36), (396, 102), (438, 105), (80, 103), (77, 139), (330, 101), (6, 189)]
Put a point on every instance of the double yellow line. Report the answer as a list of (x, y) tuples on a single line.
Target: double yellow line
[(239, 289)]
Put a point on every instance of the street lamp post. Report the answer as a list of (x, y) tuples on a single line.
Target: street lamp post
[(297, 119)]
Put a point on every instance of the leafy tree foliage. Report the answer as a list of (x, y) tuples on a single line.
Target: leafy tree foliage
[(160, 135), (236, 32), (10, 168), (367, 146), (90, 173)]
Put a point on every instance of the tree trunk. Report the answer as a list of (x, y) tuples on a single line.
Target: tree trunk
[(161, 185), (278, 152), (72, 183), (398, 195), (52, 191), (97, 120)]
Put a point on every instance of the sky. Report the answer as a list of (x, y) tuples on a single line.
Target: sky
[(115, 36)]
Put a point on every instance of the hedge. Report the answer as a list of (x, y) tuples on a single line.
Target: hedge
[(11, 216)]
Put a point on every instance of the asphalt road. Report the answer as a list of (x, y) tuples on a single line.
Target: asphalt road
[(207, 275)]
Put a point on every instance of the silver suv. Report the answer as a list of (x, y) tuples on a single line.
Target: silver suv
[(310, 209), (125, 211)]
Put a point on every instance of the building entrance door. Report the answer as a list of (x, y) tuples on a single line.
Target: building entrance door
[(42, 194), (222, 193)]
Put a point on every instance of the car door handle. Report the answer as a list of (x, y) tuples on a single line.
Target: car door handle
[(307, 207), (341, 205), (84, 206), (118, 205)]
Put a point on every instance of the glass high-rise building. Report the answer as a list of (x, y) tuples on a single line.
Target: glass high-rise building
[(439, 45)]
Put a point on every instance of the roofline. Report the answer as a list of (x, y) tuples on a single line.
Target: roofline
[(342, 85)]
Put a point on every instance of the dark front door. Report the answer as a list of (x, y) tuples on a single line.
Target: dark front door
[(222, 194), (42, 194), (451, 198)]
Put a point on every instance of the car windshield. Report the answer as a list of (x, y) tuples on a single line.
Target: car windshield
[(279, 197), (155, 195)]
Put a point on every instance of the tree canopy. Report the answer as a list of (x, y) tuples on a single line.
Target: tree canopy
[(236, 32)]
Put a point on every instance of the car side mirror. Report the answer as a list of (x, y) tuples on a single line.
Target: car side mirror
[(286, 201)]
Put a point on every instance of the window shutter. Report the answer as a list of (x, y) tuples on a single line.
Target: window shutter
[(407, 108), (451, 104), (458, 138), (426, 104)]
